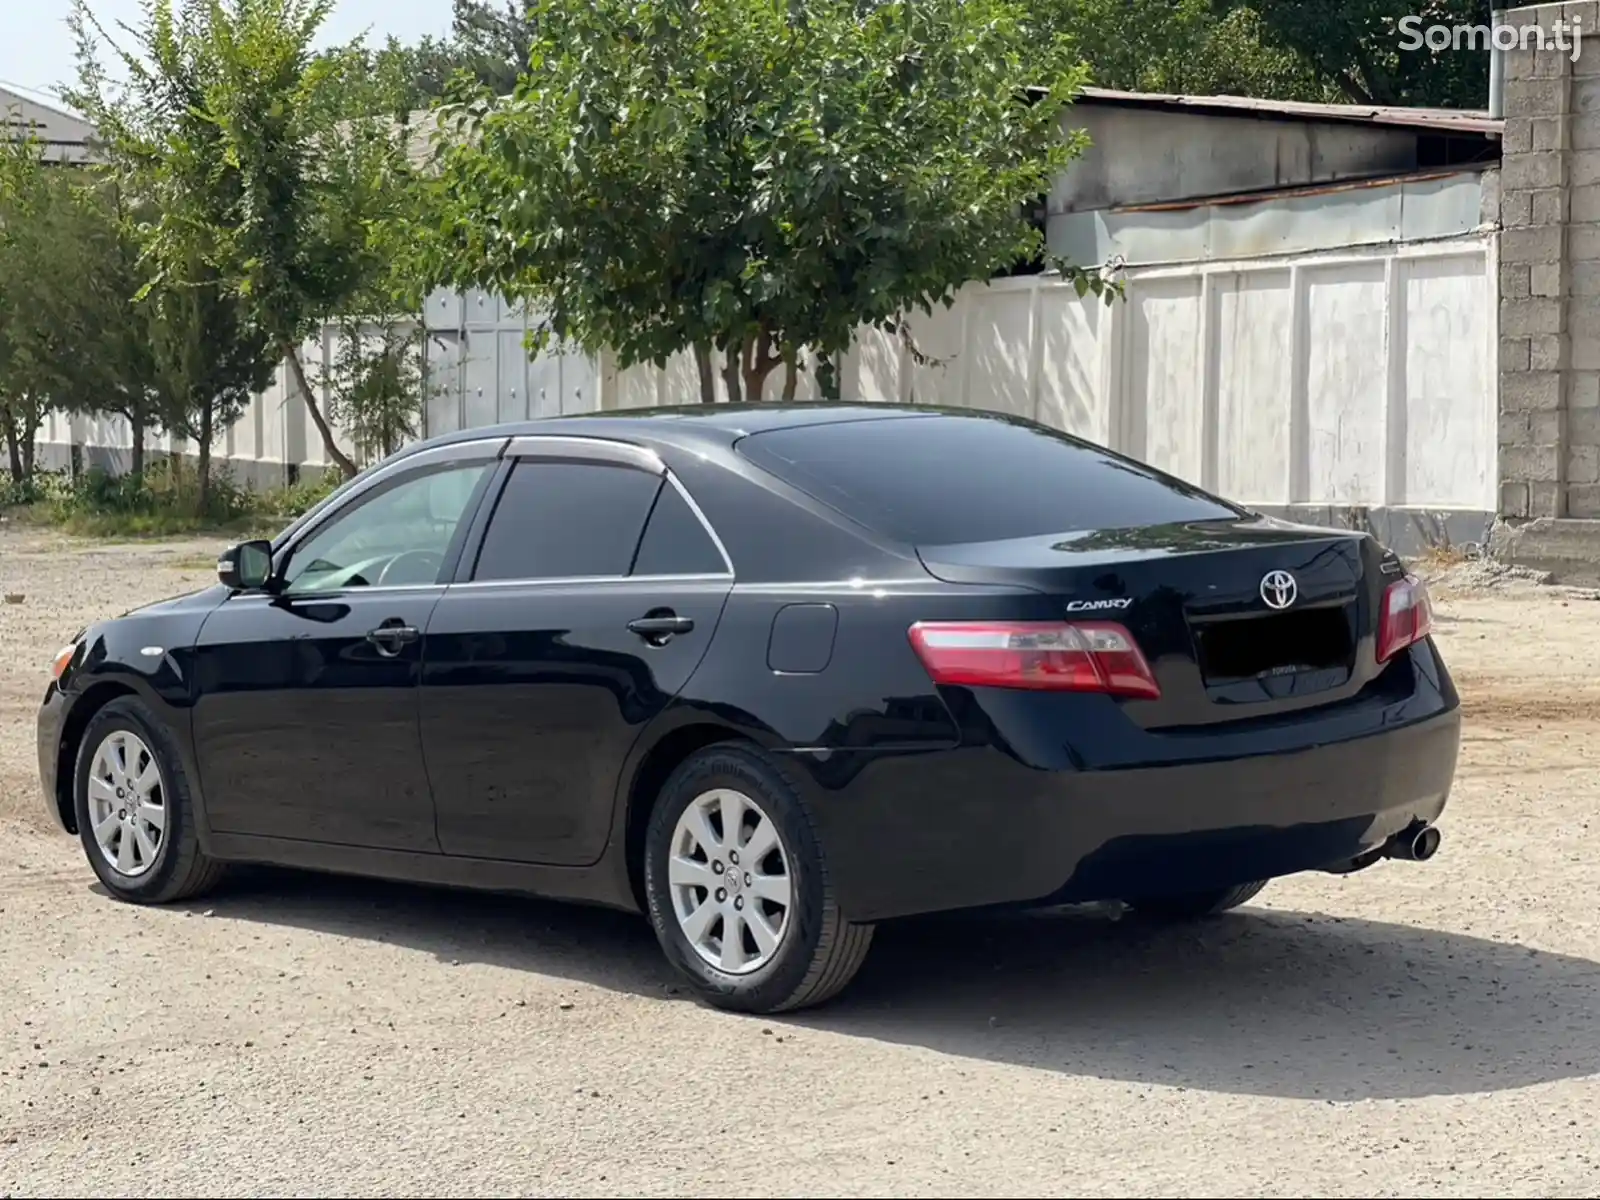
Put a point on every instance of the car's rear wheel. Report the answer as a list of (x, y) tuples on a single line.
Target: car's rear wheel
[(135, 811), (1192, 906), (738, 888)]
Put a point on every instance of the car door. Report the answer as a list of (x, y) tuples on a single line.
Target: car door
[(587, 602), (305, 720)]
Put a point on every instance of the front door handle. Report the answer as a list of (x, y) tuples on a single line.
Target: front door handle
[(658, 628), (391, 636)]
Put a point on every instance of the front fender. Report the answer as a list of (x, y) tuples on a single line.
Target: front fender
[(149, 656)]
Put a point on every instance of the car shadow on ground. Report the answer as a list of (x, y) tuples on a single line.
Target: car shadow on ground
[(1261, 1001)]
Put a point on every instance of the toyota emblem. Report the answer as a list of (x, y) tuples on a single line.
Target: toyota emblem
[(1279, 589)]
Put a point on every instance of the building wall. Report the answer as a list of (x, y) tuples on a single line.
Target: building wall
[(1177, 156), (65, 137), (1549, 348)]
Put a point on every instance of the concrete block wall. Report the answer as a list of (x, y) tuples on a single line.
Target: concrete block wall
[(1549, 426)]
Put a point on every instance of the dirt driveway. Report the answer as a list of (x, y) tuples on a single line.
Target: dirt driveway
[(1414, 1030)]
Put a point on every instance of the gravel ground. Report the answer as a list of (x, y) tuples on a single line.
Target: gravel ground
[(1413, 1030)]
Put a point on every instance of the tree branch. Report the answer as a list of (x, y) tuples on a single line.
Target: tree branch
[(298, 370)]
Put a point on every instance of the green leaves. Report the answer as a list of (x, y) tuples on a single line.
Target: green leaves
[(1335, 51), (66, 278), (754, 175), (1355, 44), (1198, 47), (274, 171)]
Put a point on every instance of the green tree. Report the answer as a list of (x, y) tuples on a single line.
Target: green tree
[(756, 177), (272, 163), (375, 380), (493, 41), (1194, 47), (488, 43), (115, 370), (30, 251), (210, 360), (166, 153), (26, 246), (1355, 46), (71, 337)]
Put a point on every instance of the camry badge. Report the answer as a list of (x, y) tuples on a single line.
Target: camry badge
[(1279, 589), (1074, 606)]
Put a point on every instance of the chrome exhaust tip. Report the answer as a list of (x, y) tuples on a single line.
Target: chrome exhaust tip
[(1417, 843)]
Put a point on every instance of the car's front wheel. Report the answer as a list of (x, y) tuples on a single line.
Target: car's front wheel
[(1192, 906), (738, 888), (135, 811)]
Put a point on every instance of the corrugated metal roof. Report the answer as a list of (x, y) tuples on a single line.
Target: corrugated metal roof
[(1440, 120)]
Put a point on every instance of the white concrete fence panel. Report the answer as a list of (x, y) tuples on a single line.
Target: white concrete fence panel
[(1353, 385)]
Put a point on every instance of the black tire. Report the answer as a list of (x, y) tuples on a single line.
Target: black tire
[(1193, 906), (818, 953), (179, 869)]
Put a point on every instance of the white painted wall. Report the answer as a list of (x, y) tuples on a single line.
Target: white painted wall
[(1355, 378)]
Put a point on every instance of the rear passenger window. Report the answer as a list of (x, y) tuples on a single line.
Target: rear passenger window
[(565, 520), (675, 542)]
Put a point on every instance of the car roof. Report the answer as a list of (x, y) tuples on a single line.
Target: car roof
[(705, 425)]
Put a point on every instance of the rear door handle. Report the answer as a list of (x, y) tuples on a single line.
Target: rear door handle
[(657, 629)]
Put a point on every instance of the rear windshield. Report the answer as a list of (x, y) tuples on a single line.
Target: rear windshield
[(942, 480)]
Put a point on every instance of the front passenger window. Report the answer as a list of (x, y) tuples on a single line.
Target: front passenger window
[(398, 537)]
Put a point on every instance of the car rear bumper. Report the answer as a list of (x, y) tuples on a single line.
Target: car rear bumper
[(968, 828), (52, 717)]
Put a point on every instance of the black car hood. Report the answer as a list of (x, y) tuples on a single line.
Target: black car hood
[(202, 601)]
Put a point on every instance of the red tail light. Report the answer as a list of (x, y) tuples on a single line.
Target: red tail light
[(1406, 616), (1052, 656)]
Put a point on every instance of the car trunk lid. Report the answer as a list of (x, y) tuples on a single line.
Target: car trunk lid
[(1239, 619)]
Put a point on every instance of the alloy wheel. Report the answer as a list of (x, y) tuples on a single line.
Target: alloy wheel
[(127, 803), (729, 874)]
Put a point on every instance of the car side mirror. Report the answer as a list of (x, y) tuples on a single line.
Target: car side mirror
[(246, 567)]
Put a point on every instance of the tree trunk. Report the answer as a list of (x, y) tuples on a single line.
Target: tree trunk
[(30, 440), (828, 377), (13, 448), (708, 383), (730, 371), (1351, 87), (208, 408), (755, 378), (340, 459), (760, 362), (136, 427), (791, 374)]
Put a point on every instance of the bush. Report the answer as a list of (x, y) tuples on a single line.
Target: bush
[(164, 499), (287, 503)]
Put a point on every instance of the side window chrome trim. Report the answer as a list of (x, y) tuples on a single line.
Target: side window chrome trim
[(591, 580), (544, 446), (341, 593)]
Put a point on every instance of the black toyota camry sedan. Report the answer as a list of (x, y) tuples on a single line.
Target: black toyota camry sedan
[(770, 674)]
